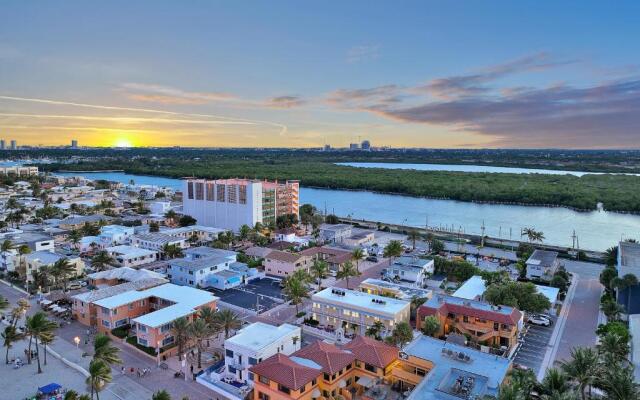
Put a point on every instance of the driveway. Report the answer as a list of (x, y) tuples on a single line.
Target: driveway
[(535, 340)]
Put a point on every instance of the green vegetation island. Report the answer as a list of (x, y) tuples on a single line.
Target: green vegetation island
[(317, 169)]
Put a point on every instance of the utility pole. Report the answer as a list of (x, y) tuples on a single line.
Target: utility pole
[(482, 228), (574, 237)]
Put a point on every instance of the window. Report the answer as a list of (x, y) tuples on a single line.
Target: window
[(232, 369), (251, 376), (190, 190), (131, 305), (142, 328), (284, 389), (229, 353), (264, 380), (370, 367), (420, 372), (167, 341), (242, 194), (121, 322), (252, 361), (262, 396), (231, 193), (143, 342), (220, 193), (303, 388), (199, 191), (106, 323), (327, 377), (496, 326), (465, 319), (314, 382), (210, 192)]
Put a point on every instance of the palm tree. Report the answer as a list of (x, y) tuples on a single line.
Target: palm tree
[(611, 310), (161, 395), (393, 249), (103, 350), (73, 395), (356, 255), (227, 320), (429, 238), (172, 250), (7, 245), (63, 269), (199, 331), (375, 330), (613, 348), (41, 277), (346, 271), (296, 290), (208, 315), (37, 325), (102, 260), (170, 216), (555, 381), (181, 331), (319, 271), (74, 237), (46, 338), (510, 391), (20, 310), (99, 375), (618, 383), (583, 368), (10, 336), (525, 381), (413, 236)]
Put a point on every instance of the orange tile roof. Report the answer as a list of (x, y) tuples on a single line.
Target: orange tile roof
[(372, 351), (281, 369), (330, 357)]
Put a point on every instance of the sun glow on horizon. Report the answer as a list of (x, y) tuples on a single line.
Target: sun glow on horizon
[(122, 142)]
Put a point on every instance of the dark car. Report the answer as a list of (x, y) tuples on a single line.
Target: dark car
[(372, 258)]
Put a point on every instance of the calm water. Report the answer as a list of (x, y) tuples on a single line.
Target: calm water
[(466, 168), (595, 230)]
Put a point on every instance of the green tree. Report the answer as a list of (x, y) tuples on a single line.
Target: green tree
[(4, 303), (36, 325), (46, 338), (521, 295), (437, 246), (583, 368), (244, 232), (393, 249), (607, 275), (319, 271), (296, 290), (625, 283), (9, 337), (413, 235), (431, 325), (611, 309), (181, 330), (618, 383), (186, 220), (346, 271), (375, 330), (154, 226), (227, 321), (161, 395), (555, 381), (105, 351), (356, 255), (613, 348), (401, 334), (172, 250), (102, 260), (64, 270), (99, 376), (199, 330)]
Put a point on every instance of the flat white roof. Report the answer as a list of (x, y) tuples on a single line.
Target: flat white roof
[(361, 300), (259, 335), (475, 286), (130, 251)]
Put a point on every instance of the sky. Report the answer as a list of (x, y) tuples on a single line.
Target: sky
[(441, 74)]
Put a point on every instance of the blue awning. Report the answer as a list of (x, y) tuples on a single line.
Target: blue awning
[(50, 388)]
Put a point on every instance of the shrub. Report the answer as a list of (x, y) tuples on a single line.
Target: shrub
[(121, 331)]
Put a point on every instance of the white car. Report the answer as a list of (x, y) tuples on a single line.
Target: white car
[(74, 286), (539, 320)]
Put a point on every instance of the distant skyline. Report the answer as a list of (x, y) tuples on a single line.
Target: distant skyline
[(485, 74)]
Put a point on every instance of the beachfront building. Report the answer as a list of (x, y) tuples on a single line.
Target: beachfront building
[(335, 233), (432, 369), (325, 371), (396, 290), (39, 259), (486, 324), (147, 306), (131, 256), (231, 203), (629, 264), (542, 264), (414, 270), (17, 169), (355, 311)]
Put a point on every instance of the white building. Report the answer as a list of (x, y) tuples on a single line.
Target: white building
[(335, 233), (411, 269), (130, 256), (156, 241), (542, 264), (257, 342), (111, 235), (203, 233), (355, 311), (36, 260), (159, 207)]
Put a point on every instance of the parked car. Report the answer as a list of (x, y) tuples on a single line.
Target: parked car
[(372, 258), (538, 320), (74, 286)]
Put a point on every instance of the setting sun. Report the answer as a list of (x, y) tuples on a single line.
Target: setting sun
[(123, 142)]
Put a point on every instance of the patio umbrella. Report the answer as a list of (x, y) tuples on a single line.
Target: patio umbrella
[(50, 388), (316, 393)]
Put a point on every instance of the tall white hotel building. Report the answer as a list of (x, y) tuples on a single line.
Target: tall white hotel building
[(231, 203)]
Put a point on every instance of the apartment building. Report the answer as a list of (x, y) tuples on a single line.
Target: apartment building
[(130, 256), (156, 241), (334, 258), (282, 264), (324, 371), (210, 268), (149, 306), (414, 270), (355, 311), (396, 290), (38, 259), (201, 233), (231, 203), (11, 259), (493, 326), (17, 170)]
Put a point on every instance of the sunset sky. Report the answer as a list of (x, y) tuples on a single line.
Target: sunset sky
[(301, 74)]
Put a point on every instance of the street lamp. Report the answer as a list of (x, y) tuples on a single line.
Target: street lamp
[(158, 353), (77, 341)]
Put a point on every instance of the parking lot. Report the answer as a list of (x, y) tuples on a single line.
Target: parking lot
[(263, 293), (534, 347)]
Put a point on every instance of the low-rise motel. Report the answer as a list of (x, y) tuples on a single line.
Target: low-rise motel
[(493, 326), (356, 311), (148, 305), (367, 369)]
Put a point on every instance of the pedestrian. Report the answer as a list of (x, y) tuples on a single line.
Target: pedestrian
[(123, 370)]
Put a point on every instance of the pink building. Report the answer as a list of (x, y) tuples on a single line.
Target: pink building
[(282, 263)]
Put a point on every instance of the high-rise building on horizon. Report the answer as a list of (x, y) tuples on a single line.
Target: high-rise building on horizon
[(354, 146), (14, 145), (74, 144), (366, 145), (3, 144)]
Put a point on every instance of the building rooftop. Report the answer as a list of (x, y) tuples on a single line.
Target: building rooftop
[(401, 291), (474, 288), (458, 372), (284, 256), (157, 237), (329, 356), (412, 262), (45, 257), (193, 228), (629, 258), (260, 335), (129, 251), (473, 308), (99, 294), (125, 274), (288, 371), (198, 263), (203, 251), (372, 351), (257, 251), (543, 257), (372, 302), (335, 227)]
